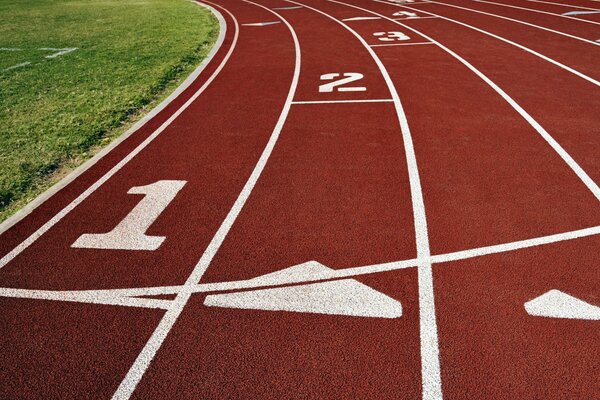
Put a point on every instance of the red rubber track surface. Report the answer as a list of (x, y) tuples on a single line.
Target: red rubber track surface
[(338, 188)]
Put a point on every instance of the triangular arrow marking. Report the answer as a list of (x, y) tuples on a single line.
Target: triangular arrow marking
[(340, 297), (556, 304), (288, 8), (262, 23)]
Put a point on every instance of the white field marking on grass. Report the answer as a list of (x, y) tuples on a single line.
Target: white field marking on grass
[(518, 21), (67, 209), (254, 283), (23, 212), (399, 44), (23, 64), (583, 176), (58, 52), (430, 362), (541, 12), (342, 101), (139, 367), (561, 4), (9, 49), (535, 53)]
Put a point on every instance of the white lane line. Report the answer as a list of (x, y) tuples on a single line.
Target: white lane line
[(399, 44), (9, 49), (575, 167), (430, 363), (535, 53), (539, 12), (288, 8), (413, 18), (139, 367), (561, 4), (67, 209), (262, 23), (84, 295), (89, 297), (360, 19), (342, 101)]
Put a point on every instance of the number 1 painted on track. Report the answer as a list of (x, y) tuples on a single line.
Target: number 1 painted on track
[(129, 234)]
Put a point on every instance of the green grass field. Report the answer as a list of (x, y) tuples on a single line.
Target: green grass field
[(55, 112)]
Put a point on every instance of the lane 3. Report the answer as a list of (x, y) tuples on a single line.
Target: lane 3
[(336, 191), (56, 349)]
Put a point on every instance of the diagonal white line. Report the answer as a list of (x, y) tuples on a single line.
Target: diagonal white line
[(549, 13), (562, 5)]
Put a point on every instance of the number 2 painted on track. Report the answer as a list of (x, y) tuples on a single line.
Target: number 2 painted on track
[(129, 234), (348, 77)]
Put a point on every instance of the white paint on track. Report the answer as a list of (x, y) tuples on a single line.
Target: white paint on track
[(342, 101), (66, 210), (430, 362), (139, 367), (557, 304), (400, 44), (538, 12), (535, 53)]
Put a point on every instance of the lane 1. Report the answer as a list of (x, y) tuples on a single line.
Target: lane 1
[(68, 350)]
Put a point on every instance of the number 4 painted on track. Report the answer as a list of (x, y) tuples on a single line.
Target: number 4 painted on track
[(348, 78), (129, 234)]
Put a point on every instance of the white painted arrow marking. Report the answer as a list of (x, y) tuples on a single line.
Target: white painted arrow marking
[(342, 297), (288, 8), (262, 23), (557, 304)]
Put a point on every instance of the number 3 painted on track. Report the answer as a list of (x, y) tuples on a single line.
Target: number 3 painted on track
[(391, 36), (129, 234)]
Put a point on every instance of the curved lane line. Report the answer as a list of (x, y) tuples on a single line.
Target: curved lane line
[(145, 357)]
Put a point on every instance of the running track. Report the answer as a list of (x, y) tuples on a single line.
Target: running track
[(350, 199)]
